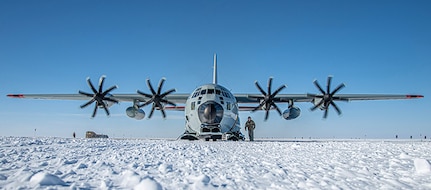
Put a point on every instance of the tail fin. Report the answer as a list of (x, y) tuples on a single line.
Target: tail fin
[(215, 69)]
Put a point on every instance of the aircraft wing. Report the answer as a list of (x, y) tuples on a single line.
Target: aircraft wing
[(176, 98), (251, 98), (285, 98), (241, 98), (352, 97)]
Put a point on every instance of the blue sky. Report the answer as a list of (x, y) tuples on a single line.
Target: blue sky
[(371, 46)]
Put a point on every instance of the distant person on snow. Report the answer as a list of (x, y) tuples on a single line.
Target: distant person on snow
[(250, 126), (74, 135)]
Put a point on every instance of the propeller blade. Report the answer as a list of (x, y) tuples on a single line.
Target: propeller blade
[(256, 97), (109, 90), (260, 88), (269, 85), (341, 86), (259, 106), (106, 110), (91, 85), (156, 98), (163, 113), (268, 99), (101, 81), (325, 115), (150, 86), (336, 108), (256, 108), (111, 100), (168, 102), (88, 103), (94, 111), (276, 108), (278, 90), (312, 95), (86, 94), (168, 92), (152, 111), (99, 97), (317, 105), (146, 103), (318, 87), (159, 89), (328, 85), (144, 94), (327, 97)]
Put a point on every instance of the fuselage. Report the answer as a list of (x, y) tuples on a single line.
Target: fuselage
[(211, 112)]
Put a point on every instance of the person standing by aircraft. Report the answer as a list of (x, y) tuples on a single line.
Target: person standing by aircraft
[(250, 126)]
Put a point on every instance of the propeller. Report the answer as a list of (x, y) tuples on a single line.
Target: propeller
[(99, 96), (156, 98), (268, 98), (327, 97)]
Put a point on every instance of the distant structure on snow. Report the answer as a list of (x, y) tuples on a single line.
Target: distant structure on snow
[(91, 134)]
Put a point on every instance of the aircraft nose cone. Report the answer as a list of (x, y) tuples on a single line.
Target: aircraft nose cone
[(210, 113)]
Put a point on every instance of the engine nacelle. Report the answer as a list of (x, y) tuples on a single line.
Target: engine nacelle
[(108, 104), (317, 101), (134, 113), (291, 113)]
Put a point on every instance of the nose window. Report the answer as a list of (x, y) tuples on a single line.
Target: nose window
[(210, 113)]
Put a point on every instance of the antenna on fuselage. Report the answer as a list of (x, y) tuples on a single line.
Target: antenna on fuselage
[(215, 69)]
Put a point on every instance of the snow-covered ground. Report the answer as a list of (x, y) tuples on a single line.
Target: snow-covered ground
[(64, 163)]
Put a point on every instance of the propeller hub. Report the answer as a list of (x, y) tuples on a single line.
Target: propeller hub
[(156, 98), (268, 98), (327, 97), (99, 96)]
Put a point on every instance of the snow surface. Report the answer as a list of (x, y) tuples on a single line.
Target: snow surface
[(64, 163)]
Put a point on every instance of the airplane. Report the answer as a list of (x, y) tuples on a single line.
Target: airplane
[(211, 110)]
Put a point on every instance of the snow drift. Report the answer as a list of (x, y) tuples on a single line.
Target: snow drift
[(62, 163)]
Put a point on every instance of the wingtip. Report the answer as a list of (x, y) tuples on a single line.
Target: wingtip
[(414, 96), (15, 96)]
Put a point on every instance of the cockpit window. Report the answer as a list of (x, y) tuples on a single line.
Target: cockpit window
[(228, 95), (193, 106), (218, 92), (210, 91), (225, 94), (203, 91), (195, 94)]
